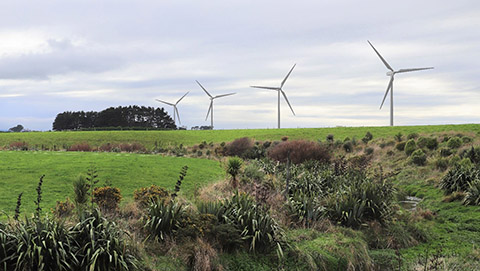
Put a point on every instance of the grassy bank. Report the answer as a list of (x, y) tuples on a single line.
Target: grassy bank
[(61, 140), (20, 172)]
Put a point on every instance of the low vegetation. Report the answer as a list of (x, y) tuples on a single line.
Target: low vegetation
[(407, 200)]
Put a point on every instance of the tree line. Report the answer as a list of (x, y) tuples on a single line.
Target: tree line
[(130, 117)]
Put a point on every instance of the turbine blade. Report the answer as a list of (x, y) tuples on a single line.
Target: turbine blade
[(182, 98), (286, 99), (271, 88), (164, 102), (383, 60), (204, 89), (413, 70), (209, 108), (388, 89), (223, 95), (286, 77), (178, 115)]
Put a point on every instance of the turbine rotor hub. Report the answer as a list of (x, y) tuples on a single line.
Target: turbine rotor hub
[(390, 73)]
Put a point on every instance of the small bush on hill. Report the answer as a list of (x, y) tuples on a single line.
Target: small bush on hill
[(348, 146), (412, 136), (473, 154), (418, 157), (400, 146), (107, 197), (444, 152), (454, 143), (466, 139), (330, 138), (410, 147), (63, 208), (368, 151), (427, 142), (80, 147), (299, 151), (441, 163), (368, 136), (147, 195), (398, 137), (18, 146), (239, 147)]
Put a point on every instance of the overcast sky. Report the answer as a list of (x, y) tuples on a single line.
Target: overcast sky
[(58, 56)]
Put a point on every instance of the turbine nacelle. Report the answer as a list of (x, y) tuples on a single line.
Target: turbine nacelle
[(390, 73)]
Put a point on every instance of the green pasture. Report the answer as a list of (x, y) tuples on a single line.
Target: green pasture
[(149, 139), (20, 172)]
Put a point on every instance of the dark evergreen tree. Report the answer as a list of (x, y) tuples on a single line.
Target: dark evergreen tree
[(119, 117)]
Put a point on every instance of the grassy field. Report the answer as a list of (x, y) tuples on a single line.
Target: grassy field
[(20, 172), (188, 138)]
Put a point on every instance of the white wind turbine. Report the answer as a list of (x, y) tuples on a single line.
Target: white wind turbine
[(175, 109), (280, 90), (210, 108), (392, 73)]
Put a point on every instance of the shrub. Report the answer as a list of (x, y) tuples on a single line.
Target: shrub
[(466, 139), (454, 143), (458, 178), (418, 157), (412, 136), (253, 172), (284, 138), (146, 195), (107, 198), (63, 208), (107, 147), (441, 164), (427, 142), (348, 146), (410, 147), (233, 166), (368, 151), (330, 138), (368, 136), (239, 147), (400, 146), (19, 146), (473, 154), (472, 197), (398, 137), (444, 152), (299, 151), (134, 147), (164, 219), (84, 147)]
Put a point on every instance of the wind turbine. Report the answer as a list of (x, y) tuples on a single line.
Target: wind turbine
[(392, 73), (210, 108), (280, 90), (175, 109)]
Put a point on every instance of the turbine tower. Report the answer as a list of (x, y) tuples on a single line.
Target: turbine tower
[(280, 90), (392, 73), (210, 108), (175, 109)]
